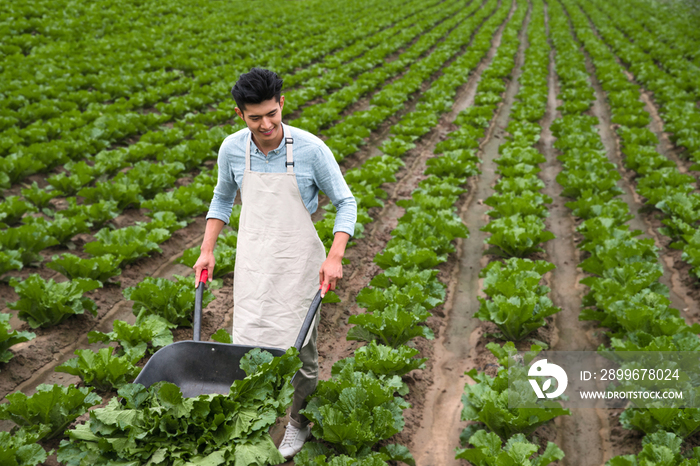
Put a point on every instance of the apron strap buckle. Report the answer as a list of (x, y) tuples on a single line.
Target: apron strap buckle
[(289, 144)]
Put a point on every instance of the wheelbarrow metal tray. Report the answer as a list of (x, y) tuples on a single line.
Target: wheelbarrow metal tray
[(202, 367), (198, 367)]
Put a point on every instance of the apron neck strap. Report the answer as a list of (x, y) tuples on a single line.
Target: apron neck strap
[(247, 152), (288, 141)]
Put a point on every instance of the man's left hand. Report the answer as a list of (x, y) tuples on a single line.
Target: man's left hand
[(332, 268), (331, 271)]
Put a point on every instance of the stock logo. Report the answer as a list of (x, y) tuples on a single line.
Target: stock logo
[(542, 368)]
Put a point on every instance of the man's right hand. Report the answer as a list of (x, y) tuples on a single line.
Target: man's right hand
[(205, 262), (206, 257)]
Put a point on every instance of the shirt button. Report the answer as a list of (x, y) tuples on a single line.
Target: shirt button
[(267, 161)]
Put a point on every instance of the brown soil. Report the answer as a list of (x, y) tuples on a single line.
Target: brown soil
[(433, 425), (582, 435), (56, 345), (25, 372), (683, 289), (40, 178), (364, 102), (460, 347)]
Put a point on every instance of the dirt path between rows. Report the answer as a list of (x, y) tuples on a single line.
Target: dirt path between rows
[(36, 360), (582, 435), (217, 315), (617, 440), (457, 349), (684, 283), (363, 102), (683, 293), (335, 348)]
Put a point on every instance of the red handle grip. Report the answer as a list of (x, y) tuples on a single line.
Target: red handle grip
[(203, 276)]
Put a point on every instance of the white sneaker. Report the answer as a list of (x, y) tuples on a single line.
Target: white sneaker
[(293, 440)]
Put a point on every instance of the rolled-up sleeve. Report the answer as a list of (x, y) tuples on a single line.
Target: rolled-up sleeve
[(225, 190), (329, 179)]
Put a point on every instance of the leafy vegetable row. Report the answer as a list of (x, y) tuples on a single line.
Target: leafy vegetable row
[(98, 126), (398, 300), (440, 96), (44, 303), (676, 30), (124, 188), (113, 80), (371, 71), (53, 305), (336, 69), (625, 294), (659, 181), (518, 304), (157, 296), (345, 137), (684, 74)]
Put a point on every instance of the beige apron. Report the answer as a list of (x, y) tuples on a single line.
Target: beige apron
[(278, 258)]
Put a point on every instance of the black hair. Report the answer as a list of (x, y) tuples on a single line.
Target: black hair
[(256, 86)]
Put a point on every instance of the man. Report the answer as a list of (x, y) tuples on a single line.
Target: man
[(280, 260)]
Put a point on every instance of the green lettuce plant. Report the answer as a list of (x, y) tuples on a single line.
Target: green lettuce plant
[(517, 235), (659, 449), (489, 450), (102, 369), (151, 333), (392, 326), (49, 410), (354, 410), (100, 268), (172, 300), (487, 401), (164, 427), (45, 303), (128, 244), (20, 449)]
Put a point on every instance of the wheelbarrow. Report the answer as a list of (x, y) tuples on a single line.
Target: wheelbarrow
[(200, 367)]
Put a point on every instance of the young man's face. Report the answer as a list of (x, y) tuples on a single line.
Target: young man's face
[(264, 120)]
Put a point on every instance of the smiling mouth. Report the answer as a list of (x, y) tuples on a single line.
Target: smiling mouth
[(268, 132)]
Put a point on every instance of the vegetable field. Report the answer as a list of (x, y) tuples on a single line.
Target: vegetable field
[(526, 174)]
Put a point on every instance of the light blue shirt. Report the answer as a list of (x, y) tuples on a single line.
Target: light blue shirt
[(314, 166)]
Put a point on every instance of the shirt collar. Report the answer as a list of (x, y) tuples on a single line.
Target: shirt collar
[(285, 135)]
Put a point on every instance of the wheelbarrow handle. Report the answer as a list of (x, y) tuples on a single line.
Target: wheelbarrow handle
[(315, 304), (198, 298)]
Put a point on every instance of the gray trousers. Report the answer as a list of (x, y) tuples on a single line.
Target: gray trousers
[(306, 379)]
